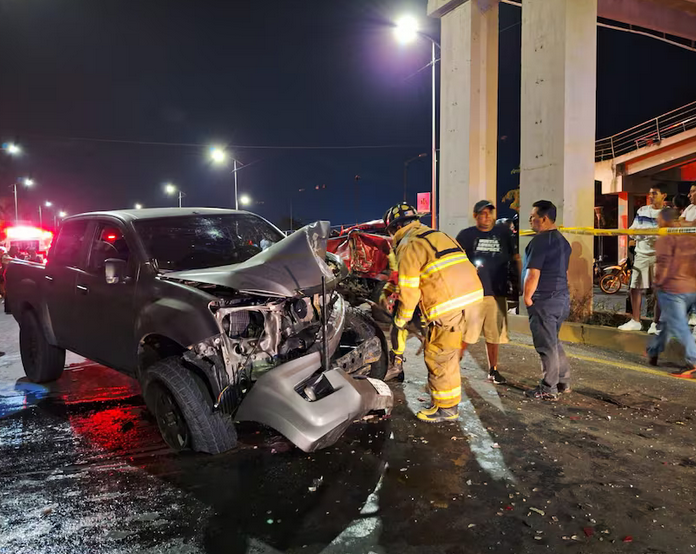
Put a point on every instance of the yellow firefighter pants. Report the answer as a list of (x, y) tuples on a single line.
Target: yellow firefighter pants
[(442, 345)]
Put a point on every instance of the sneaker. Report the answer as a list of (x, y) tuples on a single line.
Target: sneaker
[(631, 325), (438, 415), (692, 320), (540, 394), (564, 388), (686, 373), (496, 377), (395, 371), (653, 329)]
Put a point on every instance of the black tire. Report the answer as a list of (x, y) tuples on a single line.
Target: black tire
[(42, 361), (610, 283), (358, 329), (184, 410)]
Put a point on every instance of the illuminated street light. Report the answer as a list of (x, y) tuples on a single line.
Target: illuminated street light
[(244, 200), (406, 29), (218, 155), (27, 183), (171, 190), (138, 206), (47, 205), (62, 214), (13, 149)]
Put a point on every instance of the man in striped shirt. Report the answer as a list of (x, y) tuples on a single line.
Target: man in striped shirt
[(642, 273)]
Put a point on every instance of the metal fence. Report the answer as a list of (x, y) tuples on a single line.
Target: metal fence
[(646, 134)]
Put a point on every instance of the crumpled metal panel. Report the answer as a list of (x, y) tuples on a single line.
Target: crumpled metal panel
[(292, 267)]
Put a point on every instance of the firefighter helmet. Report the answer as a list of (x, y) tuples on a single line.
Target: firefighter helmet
[(399, 213)]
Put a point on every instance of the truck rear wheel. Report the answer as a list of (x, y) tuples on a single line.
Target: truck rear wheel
[(183, 409), (42, 361)]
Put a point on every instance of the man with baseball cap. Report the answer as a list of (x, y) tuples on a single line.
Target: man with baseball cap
[(491, 248)]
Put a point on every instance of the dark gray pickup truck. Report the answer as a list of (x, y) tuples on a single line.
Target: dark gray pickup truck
[(216, 313)]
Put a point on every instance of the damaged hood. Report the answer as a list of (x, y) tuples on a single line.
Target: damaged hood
[(292, 267)]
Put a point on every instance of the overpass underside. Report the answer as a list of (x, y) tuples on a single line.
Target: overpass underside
[(559, 75)]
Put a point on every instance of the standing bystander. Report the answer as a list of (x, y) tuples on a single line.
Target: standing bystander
[(688, 216), (644, 261), (675, 282), (491, 248), (547, 299)]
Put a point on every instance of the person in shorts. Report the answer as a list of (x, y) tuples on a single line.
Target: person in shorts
[(643, 269), (491, 248)]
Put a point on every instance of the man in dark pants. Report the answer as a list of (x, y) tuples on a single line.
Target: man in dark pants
[(547, 299)]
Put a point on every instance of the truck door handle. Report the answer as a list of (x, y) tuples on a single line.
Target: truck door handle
[(48, 278), (82, 288)]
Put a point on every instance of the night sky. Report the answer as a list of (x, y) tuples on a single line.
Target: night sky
[(257, 76)]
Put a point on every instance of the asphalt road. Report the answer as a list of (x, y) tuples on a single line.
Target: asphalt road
[(609, 468)]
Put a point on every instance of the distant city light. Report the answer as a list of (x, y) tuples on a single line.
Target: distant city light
[(218, 155), (406, 29), (138, 206), (244, 200)]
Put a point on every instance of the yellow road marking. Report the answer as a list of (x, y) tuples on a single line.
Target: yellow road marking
[(631, 367)]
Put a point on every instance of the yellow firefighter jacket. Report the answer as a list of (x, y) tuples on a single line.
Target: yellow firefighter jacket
[(433, 272)]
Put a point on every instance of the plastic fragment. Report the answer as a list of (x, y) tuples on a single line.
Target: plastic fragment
[(538, 511), (628, 539), (589, 531)]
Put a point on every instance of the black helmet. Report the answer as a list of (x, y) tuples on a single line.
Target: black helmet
[(399, 213)]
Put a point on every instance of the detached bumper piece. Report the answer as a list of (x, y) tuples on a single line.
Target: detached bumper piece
[(277, 400)]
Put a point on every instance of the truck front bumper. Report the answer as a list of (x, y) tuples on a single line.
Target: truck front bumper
[(276, 400)]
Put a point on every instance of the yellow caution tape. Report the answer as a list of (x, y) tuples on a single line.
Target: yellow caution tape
[(619, 232)]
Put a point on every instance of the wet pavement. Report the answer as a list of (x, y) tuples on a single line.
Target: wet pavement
[(609, 468)]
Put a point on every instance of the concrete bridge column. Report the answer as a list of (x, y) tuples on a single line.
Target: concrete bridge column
[(559, 67), (468, 107)]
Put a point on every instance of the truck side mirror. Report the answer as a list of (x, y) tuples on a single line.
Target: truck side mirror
[(115, 271)]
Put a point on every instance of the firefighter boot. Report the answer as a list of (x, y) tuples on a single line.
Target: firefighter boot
[(438, 415), (395, 371)]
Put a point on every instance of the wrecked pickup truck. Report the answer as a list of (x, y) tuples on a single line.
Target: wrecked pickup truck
[(216, 313)]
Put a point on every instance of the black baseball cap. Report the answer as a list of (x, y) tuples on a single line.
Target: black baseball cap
[(482, 205)]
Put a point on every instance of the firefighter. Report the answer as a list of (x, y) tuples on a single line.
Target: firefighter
[(436, 275)]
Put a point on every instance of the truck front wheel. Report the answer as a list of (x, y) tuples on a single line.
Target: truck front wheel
[(42, 361), (184, 410)]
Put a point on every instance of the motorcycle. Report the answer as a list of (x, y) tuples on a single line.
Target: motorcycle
[(615, 276)]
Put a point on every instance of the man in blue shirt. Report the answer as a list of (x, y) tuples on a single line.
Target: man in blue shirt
[(547, 299)]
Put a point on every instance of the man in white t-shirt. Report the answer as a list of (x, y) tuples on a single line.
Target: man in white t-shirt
[(689, 214), (644, 261)]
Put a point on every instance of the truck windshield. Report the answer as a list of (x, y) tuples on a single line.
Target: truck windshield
[(200, 241)]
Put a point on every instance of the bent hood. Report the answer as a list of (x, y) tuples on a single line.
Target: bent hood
[(292, 267)]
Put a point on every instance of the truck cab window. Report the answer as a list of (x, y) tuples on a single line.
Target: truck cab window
[(108, 243), (68, 247)]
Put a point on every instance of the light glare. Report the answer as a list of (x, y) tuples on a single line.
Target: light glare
[(170, 188), (138, 206), (406, 29), (244, 200), (13, 149), (28, 182), (218, 155)]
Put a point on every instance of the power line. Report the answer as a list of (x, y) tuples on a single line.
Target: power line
[(231, 146)]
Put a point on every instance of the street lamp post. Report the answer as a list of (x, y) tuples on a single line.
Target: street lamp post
[(418, 157), (219, 157), (48, 205), (171, 190), (406, 30), (27, 183)]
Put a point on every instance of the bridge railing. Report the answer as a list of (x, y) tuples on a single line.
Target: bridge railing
[(647, 133)]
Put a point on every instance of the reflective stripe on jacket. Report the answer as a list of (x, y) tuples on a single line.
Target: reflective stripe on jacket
[(433, 271)]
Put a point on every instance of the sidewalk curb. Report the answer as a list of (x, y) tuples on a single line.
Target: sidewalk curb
[(631, 342)]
